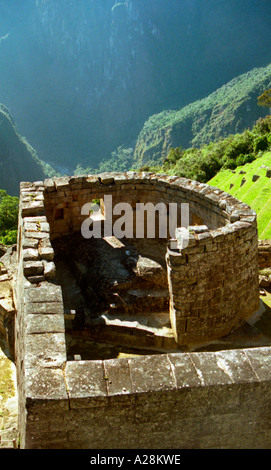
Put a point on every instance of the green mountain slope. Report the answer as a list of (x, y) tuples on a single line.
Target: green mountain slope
[(229, 110), (255, 193), (18, 160)]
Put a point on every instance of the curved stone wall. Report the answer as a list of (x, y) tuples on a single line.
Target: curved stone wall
[(213, 282), (213, 286)]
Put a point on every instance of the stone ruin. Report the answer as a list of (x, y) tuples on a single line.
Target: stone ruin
[(154, 301)]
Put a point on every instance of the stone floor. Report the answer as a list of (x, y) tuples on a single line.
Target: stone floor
[(8, 400)]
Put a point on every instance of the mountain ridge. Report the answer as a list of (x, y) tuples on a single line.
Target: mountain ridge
[(230, 109), (18, 160)]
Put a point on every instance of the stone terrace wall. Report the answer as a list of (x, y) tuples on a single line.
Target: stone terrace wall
[(174, 401), (207, 399), (264, 254)]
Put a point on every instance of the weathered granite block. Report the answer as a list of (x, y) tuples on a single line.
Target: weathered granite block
[(48, 308), (45, 391), (46, 293), (45, 323), (49, 270), (33, 268), (86, 384), (46, 253), (151, 373), (30, 254), (45, 350)]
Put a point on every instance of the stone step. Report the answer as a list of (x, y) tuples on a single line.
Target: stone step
[(139, 300), (152, 332), (149, 321)]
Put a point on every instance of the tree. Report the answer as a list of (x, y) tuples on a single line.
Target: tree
[(265, 99), (9, 207)]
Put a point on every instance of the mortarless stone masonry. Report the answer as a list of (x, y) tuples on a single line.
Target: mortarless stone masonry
[(264, 254), (172, 400)]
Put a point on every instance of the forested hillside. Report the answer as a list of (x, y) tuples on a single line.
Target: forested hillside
[(205, 162), (18, 160), (229, 110)]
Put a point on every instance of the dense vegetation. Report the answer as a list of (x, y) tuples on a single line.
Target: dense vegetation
[(204, 163), (229, 110), (251, 184), (265, 99), (8, 218), (121, 160), (217, 126)]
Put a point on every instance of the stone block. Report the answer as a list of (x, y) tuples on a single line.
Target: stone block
[(30, 254), (117, 376), (24, 185), (196, 257), (37, 226), (36, 279), (33, 268), (47, 308), (46, 253), (86, 384), (49, 185), (45, 323), (150, 270), (218, 235), (185, 373), (47, 293), (47, 386), (35, 220), (223, 367), (49, 270), (7, 306), (36, 235), (5, 287), (90, 182), (151, 373), (62, 183), (33, 208), (45, 350)]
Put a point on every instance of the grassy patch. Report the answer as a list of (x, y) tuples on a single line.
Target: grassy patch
[(256, 194)]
